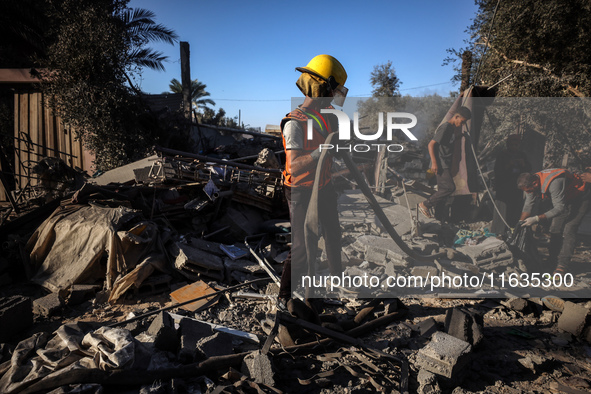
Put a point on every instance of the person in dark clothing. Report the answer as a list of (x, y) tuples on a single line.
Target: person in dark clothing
[(569, 195), (510, 163), (442, 149)]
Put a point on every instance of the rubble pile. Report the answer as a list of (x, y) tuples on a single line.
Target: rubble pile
[(166, 280)]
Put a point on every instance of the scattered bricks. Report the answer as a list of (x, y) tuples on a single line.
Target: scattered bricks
[(573, 318), (48, 305), (445, 355), (194, 263), (218, 344), (465, 325), (258, 367), (16, 315), (80, 293), (164, 333), (427, 383), (427, 327), (191, 331)]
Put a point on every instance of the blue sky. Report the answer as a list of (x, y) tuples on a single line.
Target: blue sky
[(246, 51)]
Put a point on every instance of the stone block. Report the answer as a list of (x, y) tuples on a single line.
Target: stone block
[(48, 305), (164, 333), (258, 367), (80, 293), (445, 355), (191, 331), (16, 315), (218, 344), (465, 325), (573, 318), (427, 327)]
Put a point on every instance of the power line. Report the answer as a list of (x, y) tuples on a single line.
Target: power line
[(360, 95)]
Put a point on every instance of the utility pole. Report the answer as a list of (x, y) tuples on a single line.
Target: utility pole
[(466, 67), (186, 81)]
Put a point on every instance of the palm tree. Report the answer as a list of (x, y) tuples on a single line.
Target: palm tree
[(197, 92), (141, 30)]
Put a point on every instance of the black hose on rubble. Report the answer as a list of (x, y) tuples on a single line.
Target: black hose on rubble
[(311, 228)]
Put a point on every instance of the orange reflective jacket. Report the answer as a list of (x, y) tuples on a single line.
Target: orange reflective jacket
[(321, 129), (574, 183)]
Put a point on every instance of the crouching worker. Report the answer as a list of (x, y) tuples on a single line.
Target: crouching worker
[(570, 202)]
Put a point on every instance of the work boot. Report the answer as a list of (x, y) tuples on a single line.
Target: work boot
[(553, 250)]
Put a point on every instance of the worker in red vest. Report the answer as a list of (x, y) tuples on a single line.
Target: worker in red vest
[(322, 82), (570, 203)]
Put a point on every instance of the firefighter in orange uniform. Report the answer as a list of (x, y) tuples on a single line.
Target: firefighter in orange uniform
[(322, 82), (570, 203)]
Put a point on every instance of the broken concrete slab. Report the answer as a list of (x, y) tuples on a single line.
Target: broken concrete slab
[(465, 325), (427, 383), (573, 318), (16, 315), (258, 366), (218, 344), (80, 293), (445, 355), (48, 305), (194, 263), (191, 331), (164, 332), (490, 254), (378, 249), (520, 305)]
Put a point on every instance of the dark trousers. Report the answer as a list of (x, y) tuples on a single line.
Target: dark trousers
[(563, 231), (445, 187), (328, 217)]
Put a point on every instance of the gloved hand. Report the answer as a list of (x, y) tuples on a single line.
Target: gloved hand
[(531, 221)]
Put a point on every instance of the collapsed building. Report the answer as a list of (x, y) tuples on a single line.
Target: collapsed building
[(161, 276)]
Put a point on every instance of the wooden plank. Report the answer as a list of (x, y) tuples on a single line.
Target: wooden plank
[(76, 161), (61, 139), (22, 133), (49, 128), (35, 149)]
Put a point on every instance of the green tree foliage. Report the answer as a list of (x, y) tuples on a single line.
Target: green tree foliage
[(198, 92), (542, 45), (209, 116), (534, 49), (384, 81), (98, 46)]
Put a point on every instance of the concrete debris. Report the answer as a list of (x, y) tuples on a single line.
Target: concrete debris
[(574, 317), (465, 325), (427, 383), (446, 356), (194, 263), (191, 331), (258, 366), (49, 305), (218, 344), (164, 333)]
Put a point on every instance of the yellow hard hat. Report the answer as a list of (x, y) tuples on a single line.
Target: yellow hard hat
[(326, 66)]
